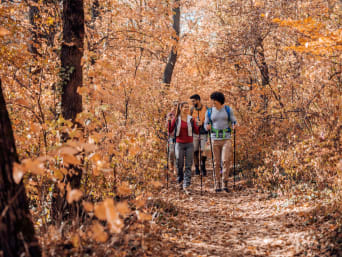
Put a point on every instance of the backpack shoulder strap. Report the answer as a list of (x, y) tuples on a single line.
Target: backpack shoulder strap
[(192, 110), (228, 111), (209, 110)]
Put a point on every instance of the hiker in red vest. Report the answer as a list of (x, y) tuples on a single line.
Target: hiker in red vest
[(184, 126)]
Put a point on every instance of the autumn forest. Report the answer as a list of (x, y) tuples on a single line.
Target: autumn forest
[(87, 93)]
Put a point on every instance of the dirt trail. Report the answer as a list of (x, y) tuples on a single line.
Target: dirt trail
[(239, 223)]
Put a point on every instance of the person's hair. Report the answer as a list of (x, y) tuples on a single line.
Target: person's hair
[(218, 96), (180, 106), (196, 97)]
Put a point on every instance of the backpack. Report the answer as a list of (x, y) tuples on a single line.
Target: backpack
[(210, 111)]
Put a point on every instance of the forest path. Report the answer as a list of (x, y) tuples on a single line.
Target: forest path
[(238, 223)]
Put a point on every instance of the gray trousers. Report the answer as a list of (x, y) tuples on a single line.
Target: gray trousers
[(187, 151)]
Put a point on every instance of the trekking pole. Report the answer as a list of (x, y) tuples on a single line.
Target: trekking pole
[(200, 158), (200, 154), (234, 131), (168, 154), (212, 158)]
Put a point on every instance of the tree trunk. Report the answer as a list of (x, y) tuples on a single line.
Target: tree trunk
[(173, 55), (71, 55), (33, 14), (71, 78), (16, 229)]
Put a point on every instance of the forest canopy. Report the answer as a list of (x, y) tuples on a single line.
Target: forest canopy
[(87, 86)]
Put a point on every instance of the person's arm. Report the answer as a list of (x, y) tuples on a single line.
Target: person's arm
[(232, 117), (173, 125), (206, 122)]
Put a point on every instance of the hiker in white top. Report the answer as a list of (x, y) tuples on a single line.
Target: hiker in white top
[(220, 121)]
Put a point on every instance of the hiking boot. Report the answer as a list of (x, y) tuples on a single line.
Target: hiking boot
[(197, 171), (217, 190), (225, 186)]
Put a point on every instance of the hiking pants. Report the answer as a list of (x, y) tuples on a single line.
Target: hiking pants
[(184, 151), (222, 150), (199, 139)]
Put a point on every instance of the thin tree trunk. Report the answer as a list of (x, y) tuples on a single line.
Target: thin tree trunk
[(71, 78), (173, 55), (17, 235), (71, 55)]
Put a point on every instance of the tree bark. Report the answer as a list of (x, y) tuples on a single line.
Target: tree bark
[(71, 55), (33, 15), (173, 55), (71, 78), (16, 228)]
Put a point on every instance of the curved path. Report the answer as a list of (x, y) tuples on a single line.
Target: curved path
[(239, 223)]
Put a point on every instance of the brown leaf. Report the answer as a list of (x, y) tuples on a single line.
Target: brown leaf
[(100, 211), (33, 166), (70, 159), (157, 184), (18, 172), (143, 216), (4, 32), (112, 215), (123, 208), (22, 101), (98, 232), (67, 150), (124, 189), (88, 206), (74, 195), (76, 240)]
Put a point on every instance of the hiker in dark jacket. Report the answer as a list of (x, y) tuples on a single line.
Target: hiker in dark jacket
[(220, 120), (184, 127)]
